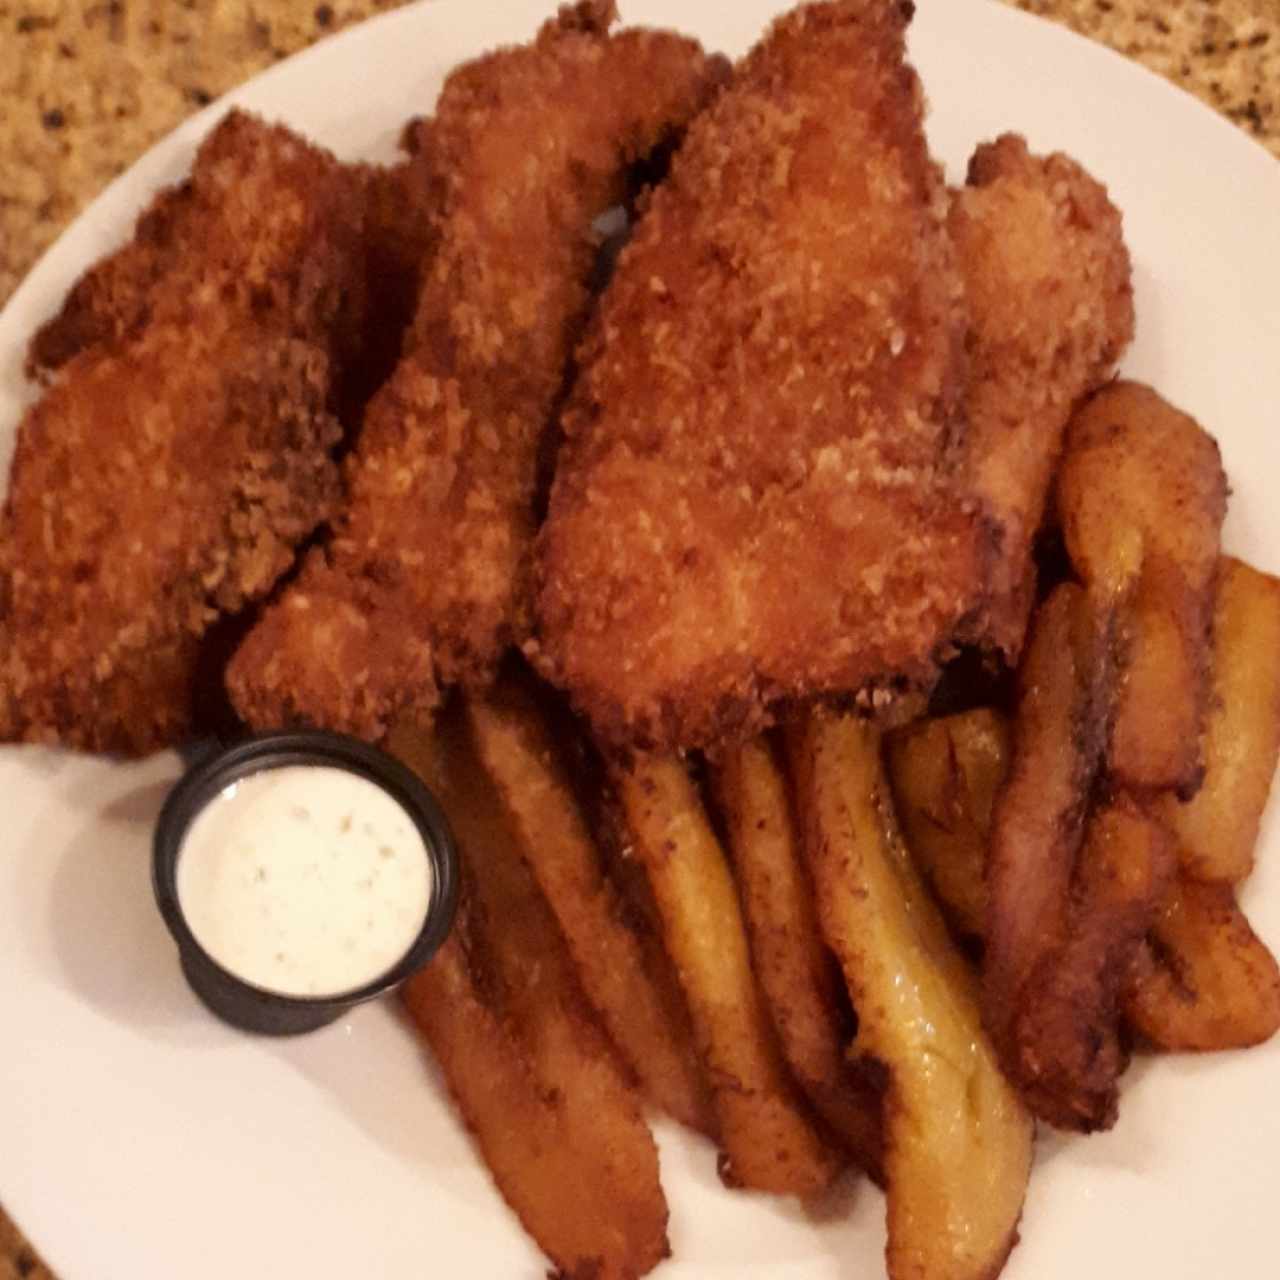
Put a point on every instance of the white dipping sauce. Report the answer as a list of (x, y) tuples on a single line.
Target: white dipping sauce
[(306, 879)]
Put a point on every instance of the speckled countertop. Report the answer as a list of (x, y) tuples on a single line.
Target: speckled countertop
[(87, 85)]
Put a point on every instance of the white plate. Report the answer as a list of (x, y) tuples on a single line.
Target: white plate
[(141, 1140)]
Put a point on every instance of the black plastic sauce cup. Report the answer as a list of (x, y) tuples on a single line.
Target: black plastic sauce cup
[(255, 1008)]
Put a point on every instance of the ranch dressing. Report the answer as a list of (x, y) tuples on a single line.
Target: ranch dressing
[(306, 880)]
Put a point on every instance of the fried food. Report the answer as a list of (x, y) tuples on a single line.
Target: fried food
[(1066, 1029), (266, 225), (199, 369), (1206, 981), (626, 869), (1141, 495), (1217, 829), (543, 1154), (757, 498), (400, 237), (797, 973), (957, 1138), (647, 1021), (1064, 688), (945, 774), (1202, 980), (425, 579), (1063, 924), (768, 1138), (111, 300), (532, 1071), (1047, 278)]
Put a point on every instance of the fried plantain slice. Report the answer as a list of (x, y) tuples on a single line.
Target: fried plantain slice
[(1206, 981), (1141, 495), (1218, 828), (945, 773), (532, 1071), (957, 1137), (768, 1137), (648, 1023), (1038, 819), (1066, 1031), (798, 975)]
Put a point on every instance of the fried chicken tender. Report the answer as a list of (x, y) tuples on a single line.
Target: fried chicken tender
[(757, 502), (184, 450), (426, 577), (266, 224), (400, 237), (1047, 276)]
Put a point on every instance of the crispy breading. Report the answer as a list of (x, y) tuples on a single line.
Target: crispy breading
[(1047, 276), (400, 236), (756, 500), (425, 579), (184, 449), (259, 226)]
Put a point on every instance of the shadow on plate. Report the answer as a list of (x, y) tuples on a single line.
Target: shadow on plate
[(371, 1065), (109, 942), (106, 931)]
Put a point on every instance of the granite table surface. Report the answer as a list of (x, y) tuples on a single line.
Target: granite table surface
[(87, 85)]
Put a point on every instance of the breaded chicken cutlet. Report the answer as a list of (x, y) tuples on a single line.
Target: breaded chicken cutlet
[(400, 201), (183, 450), (1048, 281), (266, 224), (425, 579), (757, 501)]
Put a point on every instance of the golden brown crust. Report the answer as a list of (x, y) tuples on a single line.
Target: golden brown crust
[(1206, 981), (532, 1071), (1048, 281), (184, 450), (258, 227), (517, 743), (1067, 1051), (1141, 494), (226, 470), (400, 236), (440, 521), (755, 501), (110, 300)]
